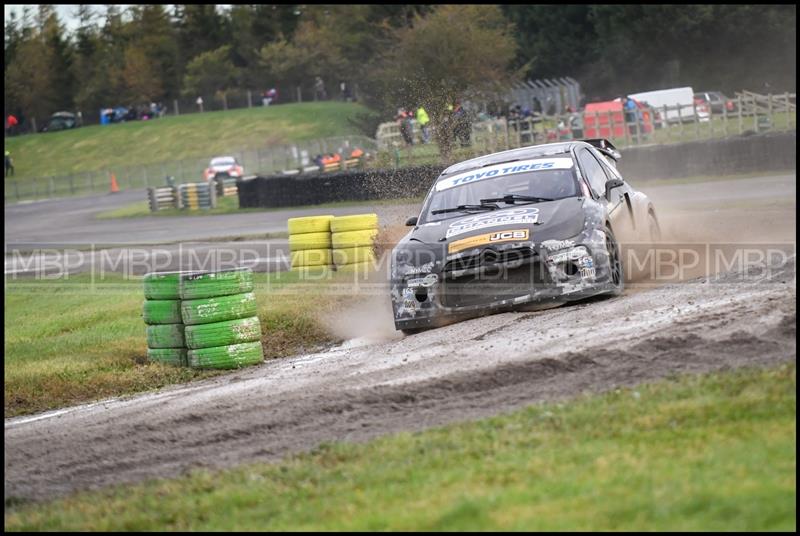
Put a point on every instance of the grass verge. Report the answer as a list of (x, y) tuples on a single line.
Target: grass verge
[(76, 340), (712, 452)]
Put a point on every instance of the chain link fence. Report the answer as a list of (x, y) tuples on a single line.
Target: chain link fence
[(259, 161), (752, 114)]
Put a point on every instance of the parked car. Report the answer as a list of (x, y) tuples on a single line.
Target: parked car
[(62, 121), (224, 167), (716, 100)]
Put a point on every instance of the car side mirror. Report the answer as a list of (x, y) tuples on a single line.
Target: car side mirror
[(611, 184), (411, 222)]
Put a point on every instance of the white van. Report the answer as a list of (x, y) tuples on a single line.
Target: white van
[(682, 97)]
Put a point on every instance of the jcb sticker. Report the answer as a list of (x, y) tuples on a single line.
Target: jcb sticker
[(488, 238)]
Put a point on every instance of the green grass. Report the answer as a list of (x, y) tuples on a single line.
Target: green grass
[(230, 205), (710, 453), (75, 340), (177, 137)]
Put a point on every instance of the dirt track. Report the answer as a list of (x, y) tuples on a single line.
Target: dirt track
[(465, 371)]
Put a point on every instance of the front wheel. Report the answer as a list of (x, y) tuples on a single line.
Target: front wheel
[(653, 227), (616, 271)]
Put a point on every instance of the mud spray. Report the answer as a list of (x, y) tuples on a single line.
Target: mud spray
[(697, 220)]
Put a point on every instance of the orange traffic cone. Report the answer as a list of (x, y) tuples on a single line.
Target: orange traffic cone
[(114, 187)]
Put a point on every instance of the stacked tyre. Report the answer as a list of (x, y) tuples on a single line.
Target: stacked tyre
[(220, 314), (310, 243), (353, 241), (162, 314)]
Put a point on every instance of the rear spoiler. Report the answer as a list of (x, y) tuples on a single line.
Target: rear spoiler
[(605, 147)]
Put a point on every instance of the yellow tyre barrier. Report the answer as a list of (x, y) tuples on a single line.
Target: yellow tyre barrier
[(304, 241), (356, 222), (353, 239), (311, 257), (353, 255), (310, 224)]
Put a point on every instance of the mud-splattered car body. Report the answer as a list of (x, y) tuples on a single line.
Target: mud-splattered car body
[(514, 249)]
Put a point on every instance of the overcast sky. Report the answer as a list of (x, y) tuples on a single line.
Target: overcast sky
[(65, 13)]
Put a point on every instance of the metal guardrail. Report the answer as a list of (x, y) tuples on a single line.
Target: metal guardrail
[(163, 198), (198, 195)]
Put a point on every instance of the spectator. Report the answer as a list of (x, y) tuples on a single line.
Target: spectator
[(406, 127), (424, 120), (461, 125), (575, 123), (11, 124), (9, 164), (319, 89), (631, 111), (199, 102), (272, 96)]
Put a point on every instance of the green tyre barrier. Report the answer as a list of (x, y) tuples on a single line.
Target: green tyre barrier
[(162, 286), (353, 239), (165, 336), (162, 312), (309, 224), (169, 356), (227, 357), (207, 310), (300, 242), (209, 285), (353, 255), (356, 222), (223, 333)]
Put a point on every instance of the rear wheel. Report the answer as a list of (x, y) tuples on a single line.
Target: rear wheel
[(616, 271)]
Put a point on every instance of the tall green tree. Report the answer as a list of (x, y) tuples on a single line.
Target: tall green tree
[(210, 72), (445, 56)]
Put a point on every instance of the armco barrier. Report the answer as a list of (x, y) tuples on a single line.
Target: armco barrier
[(741, 154)]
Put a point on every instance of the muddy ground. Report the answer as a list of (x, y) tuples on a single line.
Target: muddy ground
[(380, 382)]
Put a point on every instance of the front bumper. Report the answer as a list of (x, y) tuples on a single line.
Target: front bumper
[(501, 279)]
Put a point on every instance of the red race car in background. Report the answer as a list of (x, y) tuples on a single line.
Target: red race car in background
[(223, 166)]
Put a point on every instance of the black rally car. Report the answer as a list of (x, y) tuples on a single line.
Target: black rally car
[(518, 228)]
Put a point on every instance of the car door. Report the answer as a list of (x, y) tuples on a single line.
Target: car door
[(618, 210)]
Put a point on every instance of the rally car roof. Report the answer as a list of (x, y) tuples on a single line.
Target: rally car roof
[(523, 153)]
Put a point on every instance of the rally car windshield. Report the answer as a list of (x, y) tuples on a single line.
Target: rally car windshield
[(508, 187)]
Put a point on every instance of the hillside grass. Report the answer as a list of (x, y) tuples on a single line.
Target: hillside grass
[(172, 138), (82, 338), (697, 453)]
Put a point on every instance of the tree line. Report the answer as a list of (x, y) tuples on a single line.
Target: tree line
[(394, 55)]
